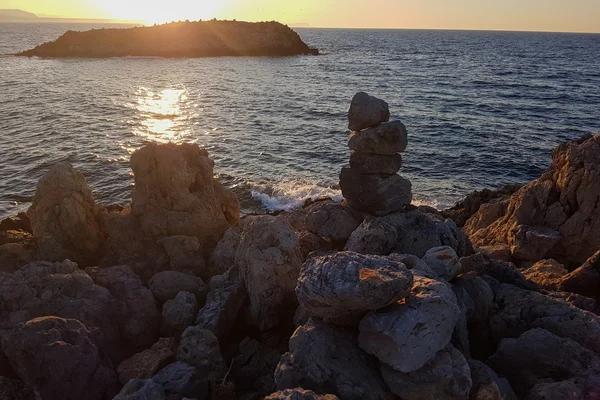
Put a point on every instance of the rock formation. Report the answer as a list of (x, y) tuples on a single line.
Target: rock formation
[(179, 39), (370, 183)]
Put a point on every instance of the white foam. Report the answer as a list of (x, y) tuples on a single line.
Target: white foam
[(291, 194)]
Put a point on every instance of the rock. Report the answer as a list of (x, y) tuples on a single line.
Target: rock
[(447, 376), (487, 385), (569, 389), (139, 322), (184, 380), (419, 231), (19, 223), (466, 208), (332, 221), (327, 360), (523, 310), (563, 200), (229, 203), (366, 163), (443, 260), (60, 289), (408, 335), (546, 273), (299, 394), (372, 237), (166, 285), (179, 39), (138, 389), (175, 194), (504, 272), (223, 303), (341, 288), (585, 280), (269, 261), (311, 242), (223, 257), (532, 243), (481, 294), (63, 210), (497, 251), (486, 215), (577, 300), (539, 356), (146, 364), (388, 138), (185, 255), (200, 348), (59, 358), (377, 194), (415, 264), (14, 389), (178, 314), (367, 111)]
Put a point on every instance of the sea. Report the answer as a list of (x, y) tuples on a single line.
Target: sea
[(482, 109)]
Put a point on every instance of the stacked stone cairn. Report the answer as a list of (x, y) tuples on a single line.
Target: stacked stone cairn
[(371, 182)]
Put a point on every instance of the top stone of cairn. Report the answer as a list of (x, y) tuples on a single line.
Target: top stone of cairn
[(367, 111)]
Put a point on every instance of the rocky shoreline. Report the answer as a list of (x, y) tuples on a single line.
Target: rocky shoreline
[(178, 296), (179, 39)]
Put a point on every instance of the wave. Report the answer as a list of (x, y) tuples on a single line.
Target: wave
[(291, 194)]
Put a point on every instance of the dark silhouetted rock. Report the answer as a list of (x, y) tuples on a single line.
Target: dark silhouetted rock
[(481, 294), (341, 288), (367, 111), (59, 359), (147, 363), (408, 335), (377, 194), (366, 163), (184, 380), (503, 272), (14, 389), (373, 236), (200, 348), (487, 385), (443, 261), (223, 257), (585, 280), (178, 314), (167, 284), (327, 360), (138, 389), (447, 377), (386, 139), (269, 262)]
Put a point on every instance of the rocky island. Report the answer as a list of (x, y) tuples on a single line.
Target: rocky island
[(179, 39), (177, 295)]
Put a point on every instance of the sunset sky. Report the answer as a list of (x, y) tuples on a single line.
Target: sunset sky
[(536, 15)]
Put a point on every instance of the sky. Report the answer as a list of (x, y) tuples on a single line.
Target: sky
[(522, 15)]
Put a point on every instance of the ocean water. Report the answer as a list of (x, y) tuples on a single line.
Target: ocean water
[(482, 109)]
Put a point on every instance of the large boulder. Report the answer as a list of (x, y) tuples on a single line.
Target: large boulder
[(333, 221), (178, 314), (420, 231), (175, 194), (59, 359), (167, 284), (327, 360), (200, 348), (342, 287), (377, 194), (63, 212), (522, 310), (139, 320), (223, 304), (366, 163), (300, 394), (585, 280), (538, 356), (443, 261), (447, 377), (223, 257), (504, 272), (409, 334), (61, 289), (147, 363), (269, 262), (367, 111), (479, 292), (555, 216), (388, 138), (373, 236), (185, 254)]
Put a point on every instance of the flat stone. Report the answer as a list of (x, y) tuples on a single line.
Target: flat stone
[(378, 194), (386, 139), (375, 163), (366, 111)]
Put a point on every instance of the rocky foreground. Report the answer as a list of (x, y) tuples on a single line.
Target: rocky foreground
[(175, 296), (179, 39)]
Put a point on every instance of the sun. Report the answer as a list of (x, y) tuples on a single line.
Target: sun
[(160, 11)]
